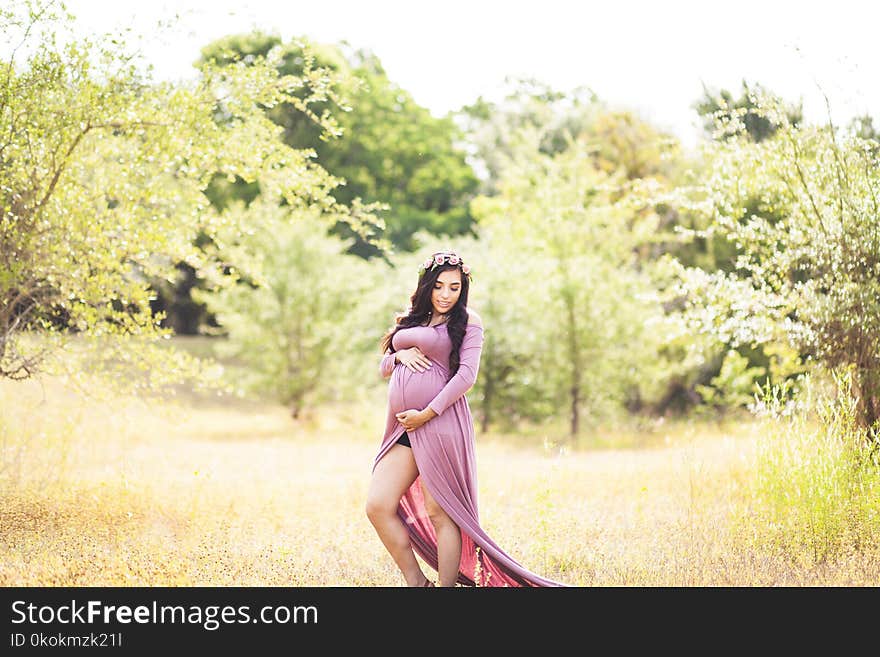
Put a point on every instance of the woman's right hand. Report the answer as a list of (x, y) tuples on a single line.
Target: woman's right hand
[(414, 359)]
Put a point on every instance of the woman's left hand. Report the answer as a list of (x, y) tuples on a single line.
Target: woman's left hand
[(412, 419)]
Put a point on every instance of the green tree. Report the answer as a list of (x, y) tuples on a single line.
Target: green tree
[(686, 239), (863, 128), (102, 188), (576, 307), (292, 318), (387, 148), (722, 114), (809, 269), (734, 385), (618, 139), (494, 130)]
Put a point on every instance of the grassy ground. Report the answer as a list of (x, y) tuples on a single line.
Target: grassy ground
[(235, 493)]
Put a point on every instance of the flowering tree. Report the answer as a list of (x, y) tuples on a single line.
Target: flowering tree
[(802, 209)]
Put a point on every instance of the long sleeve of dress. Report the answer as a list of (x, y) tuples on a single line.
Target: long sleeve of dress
[(387, 364), (466, 376)]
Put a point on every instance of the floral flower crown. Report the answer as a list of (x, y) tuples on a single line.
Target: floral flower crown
[(441, 258)]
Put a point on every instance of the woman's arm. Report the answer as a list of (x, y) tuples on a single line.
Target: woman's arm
[(468, 368), (387, 364)]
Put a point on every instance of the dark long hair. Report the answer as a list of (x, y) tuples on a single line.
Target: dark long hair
[(421, 308)]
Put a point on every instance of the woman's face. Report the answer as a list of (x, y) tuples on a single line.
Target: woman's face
[(446, 291)]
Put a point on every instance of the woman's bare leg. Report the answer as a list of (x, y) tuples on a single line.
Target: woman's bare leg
[(393, 475), (448, 540)]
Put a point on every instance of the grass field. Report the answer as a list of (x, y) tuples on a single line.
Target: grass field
[(235, 493)]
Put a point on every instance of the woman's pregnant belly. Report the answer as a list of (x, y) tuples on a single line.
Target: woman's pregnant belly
[(408, 389)]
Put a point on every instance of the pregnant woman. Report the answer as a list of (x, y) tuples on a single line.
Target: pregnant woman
[(423, 492)]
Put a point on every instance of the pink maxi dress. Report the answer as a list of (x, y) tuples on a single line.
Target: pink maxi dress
[(444, 452)]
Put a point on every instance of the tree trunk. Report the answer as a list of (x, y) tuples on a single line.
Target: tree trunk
[(868, 396), (575, 355), (488, 395)]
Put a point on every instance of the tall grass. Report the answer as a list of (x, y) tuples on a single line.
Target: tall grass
[(815, 498), (232, 492)]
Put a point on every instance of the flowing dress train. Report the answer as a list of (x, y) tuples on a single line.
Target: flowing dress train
[(444, 452)]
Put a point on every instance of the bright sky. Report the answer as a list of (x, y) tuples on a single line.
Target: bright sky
[(648, 56)]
